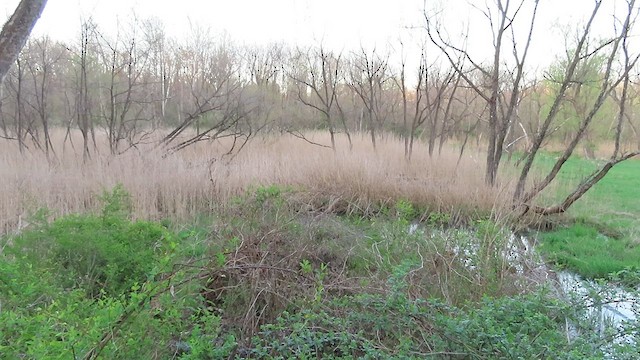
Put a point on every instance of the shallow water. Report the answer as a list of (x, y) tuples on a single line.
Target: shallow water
[(609, 307), (619, 306)]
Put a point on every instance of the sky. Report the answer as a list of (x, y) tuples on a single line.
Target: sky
[(339, 22), (343, 25)]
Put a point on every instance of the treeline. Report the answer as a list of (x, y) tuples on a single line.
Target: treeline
[(140, 80)]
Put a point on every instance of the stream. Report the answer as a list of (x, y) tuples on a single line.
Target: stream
[(609, 307), (609, 310)]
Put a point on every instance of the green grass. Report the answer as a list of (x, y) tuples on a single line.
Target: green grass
[(582, 248), (603, 233)]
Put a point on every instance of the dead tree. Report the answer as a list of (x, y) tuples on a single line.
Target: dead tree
[(503, 90), (438, 93), (162, 70), (264, 90), (14, 35), (430, 102), (82, 100), (42, 65), (124, 99), (210, 95), (16, 84), (402, 86)]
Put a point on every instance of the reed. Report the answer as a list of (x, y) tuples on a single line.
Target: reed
[(198, 178)]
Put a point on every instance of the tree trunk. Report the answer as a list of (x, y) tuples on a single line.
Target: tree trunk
[(16, 31)]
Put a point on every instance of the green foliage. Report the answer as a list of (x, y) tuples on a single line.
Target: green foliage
[(388, 242), (65, 285), (405, 211), (487, 229), (117, 204), (106, 254), (205, 340), (396, 326), (305, 267), (438, 219), (521, 327), (303, 285), (579, 99), (262, 194), (629, 277), (459, 265), (71, 325)]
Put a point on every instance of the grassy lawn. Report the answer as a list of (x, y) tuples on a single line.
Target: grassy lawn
[(603, 235)]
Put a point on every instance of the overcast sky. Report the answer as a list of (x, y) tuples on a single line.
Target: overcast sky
[(339, 24), (253, 21)]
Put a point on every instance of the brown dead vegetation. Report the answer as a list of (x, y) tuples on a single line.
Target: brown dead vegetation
[(199, 178)]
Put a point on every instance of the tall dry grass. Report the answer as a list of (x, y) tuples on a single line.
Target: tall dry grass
[(198, 178)]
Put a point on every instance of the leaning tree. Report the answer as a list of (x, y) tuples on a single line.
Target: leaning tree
[(16, 31), (500, 83)]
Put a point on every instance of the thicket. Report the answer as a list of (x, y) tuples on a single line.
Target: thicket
[(264, 278)]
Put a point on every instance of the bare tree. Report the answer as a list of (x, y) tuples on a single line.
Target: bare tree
[(16, 83), (438, 95), (402, 86), (468, 114), (82, 100), (617, 47), (42, 63), (209, 88), (500, 95), (265, 67), (14, 35), (125, 60), (501, 87), (430, 102), (368, 78), (319, 87), (163, 69)]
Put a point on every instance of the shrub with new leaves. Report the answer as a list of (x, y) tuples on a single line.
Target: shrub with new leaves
[(107, 253)]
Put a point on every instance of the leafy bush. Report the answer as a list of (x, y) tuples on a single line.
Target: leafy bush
[(67, 285), (101, 254), (396, 326)]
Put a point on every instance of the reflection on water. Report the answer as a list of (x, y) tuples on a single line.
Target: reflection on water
[(612, 310)]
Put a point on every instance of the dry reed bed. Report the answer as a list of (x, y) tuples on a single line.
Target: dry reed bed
[(198, 178)]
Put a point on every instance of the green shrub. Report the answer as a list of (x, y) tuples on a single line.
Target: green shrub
[(398, 327), (68, 284), (101, 254), (117, 205), (405, 211)]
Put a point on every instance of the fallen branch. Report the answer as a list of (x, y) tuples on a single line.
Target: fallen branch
[(299, 135)]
